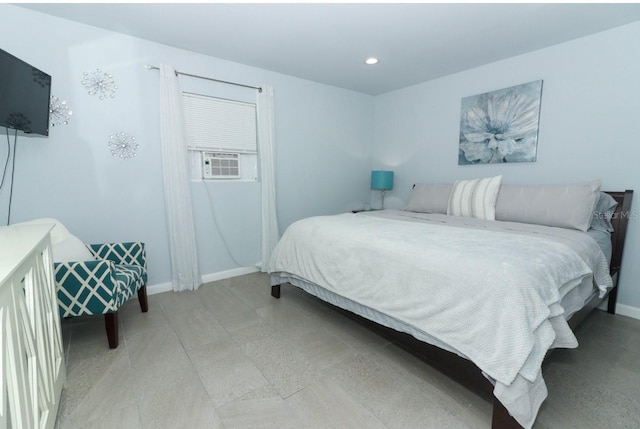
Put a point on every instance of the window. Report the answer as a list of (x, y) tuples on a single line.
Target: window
[(221, 136)]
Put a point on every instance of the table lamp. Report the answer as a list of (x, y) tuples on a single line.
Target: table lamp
[(382, 181)]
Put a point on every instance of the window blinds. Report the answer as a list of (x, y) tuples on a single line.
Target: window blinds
[(219, 124)]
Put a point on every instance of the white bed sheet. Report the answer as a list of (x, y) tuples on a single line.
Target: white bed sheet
[(518, 385)]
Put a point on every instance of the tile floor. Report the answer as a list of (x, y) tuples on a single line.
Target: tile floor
[(231, 356)]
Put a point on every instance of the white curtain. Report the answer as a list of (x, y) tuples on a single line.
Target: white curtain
[(266, 151), (177, 187)]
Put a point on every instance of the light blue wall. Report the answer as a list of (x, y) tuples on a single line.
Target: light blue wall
[(588, 125), (324, 136), (322, 157)]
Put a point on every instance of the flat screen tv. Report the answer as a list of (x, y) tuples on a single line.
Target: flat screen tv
[(25, 93)]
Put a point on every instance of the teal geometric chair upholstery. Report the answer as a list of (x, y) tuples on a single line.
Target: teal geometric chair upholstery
[(101, 286)]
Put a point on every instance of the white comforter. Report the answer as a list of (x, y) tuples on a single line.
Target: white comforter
[(489, 290)]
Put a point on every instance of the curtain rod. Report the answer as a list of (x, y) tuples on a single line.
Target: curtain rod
[(149, 67)]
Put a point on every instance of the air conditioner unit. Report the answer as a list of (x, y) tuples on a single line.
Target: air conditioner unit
[(218, 165)]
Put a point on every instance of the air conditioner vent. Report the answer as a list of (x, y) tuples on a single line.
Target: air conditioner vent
[(218, 165)]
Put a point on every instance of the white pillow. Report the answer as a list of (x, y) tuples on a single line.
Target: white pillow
[(71, 249), (58, 234), (474, 198)]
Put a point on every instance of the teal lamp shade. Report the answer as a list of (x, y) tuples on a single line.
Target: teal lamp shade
[(382, 180)]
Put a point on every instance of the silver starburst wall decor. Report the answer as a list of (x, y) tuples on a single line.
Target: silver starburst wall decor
[(122, 145), (59, 112), (99, 83)]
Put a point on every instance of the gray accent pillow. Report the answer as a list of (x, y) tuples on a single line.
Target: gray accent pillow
[(603, 212), (429, 198), (564, 206)]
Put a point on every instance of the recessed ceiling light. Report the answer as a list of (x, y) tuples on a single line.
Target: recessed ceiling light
[(371, 61)]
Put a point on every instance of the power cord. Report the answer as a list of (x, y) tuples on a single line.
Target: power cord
[(6, 164), (13, 169), (215, 221)]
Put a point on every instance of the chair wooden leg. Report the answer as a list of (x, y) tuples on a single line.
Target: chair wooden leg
[(142, 297), (111, 323)]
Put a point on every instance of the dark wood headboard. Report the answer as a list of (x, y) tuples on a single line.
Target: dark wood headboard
[(619, 221)]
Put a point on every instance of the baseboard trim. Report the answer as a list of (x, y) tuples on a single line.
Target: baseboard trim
[(206, 278), (228, 274), (623, 310), (159, 288), (627, 310)]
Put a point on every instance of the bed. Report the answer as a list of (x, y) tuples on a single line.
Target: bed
[(469, 293)]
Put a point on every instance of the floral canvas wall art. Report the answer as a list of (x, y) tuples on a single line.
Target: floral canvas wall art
[(500, 126)]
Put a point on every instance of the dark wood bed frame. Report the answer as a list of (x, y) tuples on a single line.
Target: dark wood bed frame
[(465, 371)]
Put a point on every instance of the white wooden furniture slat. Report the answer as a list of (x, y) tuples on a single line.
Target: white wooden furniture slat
[(31, 356)]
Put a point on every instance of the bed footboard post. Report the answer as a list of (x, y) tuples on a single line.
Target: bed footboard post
[(613, 297), (275, 291)]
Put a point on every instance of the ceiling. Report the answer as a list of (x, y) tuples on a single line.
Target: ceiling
[(328, 42)]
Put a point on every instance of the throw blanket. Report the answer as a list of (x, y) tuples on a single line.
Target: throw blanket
[(489, 290)]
